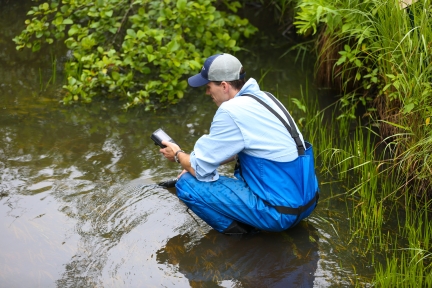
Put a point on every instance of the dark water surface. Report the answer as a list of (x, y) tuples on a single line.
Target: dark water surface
[(79, 204)]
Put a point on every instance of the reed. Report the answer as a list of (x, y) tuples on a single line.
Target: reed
[(53, 77), (379, 55), (410, 265), (389, 224)]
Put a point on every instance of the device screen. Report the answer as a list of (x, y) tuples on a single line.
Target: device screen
[(162, 135)]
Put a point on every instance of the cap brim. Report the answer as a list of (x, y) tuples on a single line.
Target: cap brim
[(197, 80)]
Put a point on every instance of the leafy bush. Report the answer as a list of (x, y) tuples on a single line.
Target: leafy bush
[(138, 51)]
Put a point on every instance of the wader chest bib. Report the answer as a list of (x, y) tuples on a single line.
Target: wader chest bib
[(290, 187)]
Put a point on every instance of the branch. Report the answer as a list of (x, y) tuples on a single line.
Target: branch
[(123, 20)]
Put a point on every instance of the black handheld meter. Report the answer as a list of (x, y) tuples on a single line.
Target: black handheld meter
[(159, 135)]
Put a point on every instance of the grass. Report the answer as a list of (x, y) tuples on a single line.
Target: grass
[(389, 223), (379, 56), (381, 59)]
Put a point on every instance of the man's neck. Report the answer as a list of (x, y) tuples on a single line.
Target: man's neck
[(233, 92)]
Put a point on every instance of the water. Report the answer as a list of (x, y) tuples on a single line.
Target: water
[(79, 204)]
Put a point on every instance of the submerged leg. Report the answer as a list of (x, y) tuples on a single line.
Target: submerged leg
[(221, 202), (195, 195)]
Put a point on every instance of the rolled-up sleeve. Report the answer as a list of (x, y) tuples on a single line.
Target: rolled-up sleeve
[(224, 141)]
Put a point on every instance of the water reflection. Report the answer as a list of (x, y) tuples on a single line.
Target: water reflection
[(287, 259)]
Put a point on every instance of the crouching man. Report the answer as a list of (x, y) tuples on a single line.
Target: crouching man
[(275, 185)]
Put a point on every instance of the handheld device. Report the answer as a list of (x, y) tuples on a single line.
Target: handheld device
[(159, 135)]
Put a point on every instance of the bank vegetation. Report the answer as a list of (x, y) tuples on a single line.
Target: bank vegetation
[(377, 55)]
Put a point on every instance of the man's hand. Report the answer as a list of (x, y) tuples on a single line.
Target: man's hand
[(169, 151), (181, 173)]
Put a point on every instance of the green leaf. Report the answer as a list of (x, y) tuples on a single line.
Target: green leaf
[(408, 108), (346, 27), (180, 94), (299, 104), (386, 87), (73, 30), (181, 4), (194, 64), (67, 21), (173, 46), (149, 49), (77, 55), (358, 76), (131, 32), (115, 75), (318, 13), (95, 25), (140, 34), (341, 60), (151, 57), (36, 46), (58, 20)]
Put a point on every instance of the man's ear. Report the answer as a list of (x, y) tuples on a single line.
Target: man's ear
[(225, 86)]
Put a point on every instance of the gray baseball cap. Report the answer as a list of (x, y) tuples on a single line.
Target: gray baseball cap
[(219, 67)]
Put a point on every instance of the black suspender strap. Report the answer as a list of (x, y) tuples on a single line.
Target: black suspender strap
[(298, 210), (300, 148), (291, 127), (295, 133)]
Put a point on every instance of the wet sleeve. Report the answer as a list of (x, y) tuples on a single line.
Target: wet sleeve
[(224, 141)]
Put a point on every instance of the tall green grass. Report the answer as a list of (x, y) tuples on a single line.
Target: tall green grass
[(383, 62), (389, 223)]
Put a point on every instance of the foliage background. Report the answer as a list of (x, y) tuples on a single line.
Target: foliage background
[(138, 51)]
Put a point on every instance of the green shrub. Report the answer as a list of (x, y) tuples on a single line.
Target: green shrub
[(138, 51)]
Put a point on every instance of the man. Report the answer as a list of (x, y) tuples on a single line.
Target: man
[(275, 185)]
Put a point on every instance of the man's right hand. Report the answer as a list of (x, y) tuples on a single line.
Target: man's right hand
[(169, 151)]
